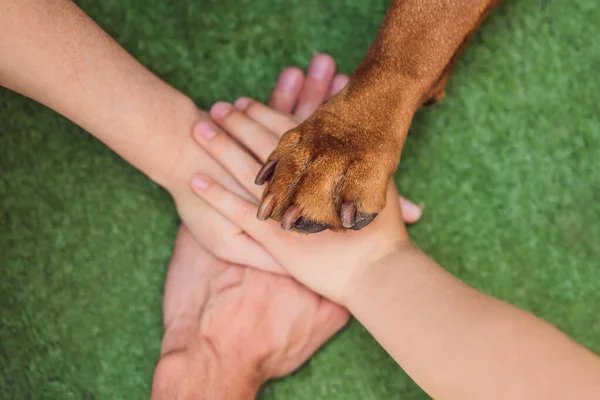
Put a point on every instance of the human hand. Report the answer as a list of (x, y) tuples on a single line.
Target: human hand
[(325, 262), (229, 329), (294, 93)]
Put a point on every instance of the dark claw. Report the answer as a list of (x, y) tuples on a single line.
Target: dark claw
[(292, 220), (348, 215), (363, 220), (266, 172), (306, 225), (290, 217), (266, 208)]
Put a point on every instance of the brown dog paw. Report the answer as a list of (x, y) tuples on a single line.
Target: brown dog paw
[(330, 172)]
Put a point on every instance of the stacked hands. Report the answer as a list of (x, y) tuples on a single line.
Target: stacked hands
[(324, 263), (246, 302), (254, 318)]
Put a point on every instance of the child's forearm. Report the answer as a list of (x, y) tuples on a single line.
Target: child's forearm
[(53, 53), (458, 343)]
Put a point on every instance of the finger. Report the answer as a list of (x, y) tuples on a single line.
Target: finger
[(411, 212), (274, 121), (316, 86), (285, 94), (339, 82), (190, 253), (200, 161), (233, 207), (224, 239), (248, 132), (247, 249), (329, 319), (227, 152)]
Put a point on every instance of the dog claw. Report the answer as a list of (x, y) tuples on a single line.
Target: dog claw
[(290, 217), (266, 208), (348, 215), (292, 220), (363, 220), (266, 173)]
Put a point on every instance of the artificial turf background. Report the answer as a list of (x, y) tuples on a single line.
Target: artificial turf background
[(507, 167)]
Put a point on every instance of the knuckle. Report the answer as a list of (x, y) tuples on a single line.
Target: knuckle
[(252, 108)]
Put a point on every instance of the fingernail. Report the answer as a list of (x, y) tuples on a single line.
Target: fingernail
[(339, 82), (242, 103), (410, 209), (319, 68), (220, 110), (205, 130), (287, 80), (200, 182)]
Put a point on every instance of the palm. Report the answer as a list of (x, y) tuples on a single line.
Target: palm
[(242, 311)]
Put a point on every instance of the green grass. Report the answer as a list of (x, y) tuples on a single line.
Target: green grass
[(507, 167)]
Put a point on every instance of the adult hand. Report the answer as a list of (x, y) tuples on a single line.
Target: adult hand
[(229, 329)]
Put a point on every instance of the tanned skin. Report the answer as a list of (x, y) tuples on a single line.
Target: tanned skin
[(332, 171)]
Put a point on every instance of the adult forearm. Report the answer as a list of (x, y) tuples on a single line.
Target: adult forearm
[(458, 343), (53, 53)]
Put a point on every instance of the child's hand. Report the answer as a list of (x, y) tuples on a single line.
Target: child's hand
[(296, 94), (325, 262), (218, 320)]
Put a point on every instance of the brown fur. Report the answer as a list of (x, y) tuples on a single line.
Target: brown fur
[(349, 149)]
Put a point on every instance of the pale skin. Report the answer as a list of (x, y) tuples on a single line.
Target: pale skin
[(455, 342), (229, 328), (53, 53), (272, 335)]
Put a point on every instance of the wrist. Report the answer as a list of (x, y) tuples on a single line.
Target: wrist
[(365, 280), (230, 378), (168, 143), (199, 372)]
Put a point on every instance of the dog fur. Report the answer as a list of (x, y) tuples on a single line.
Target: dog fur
[(332, 170)]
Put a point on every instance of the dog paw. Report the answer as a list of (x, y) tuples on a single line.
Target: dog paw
[(332, 171)]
